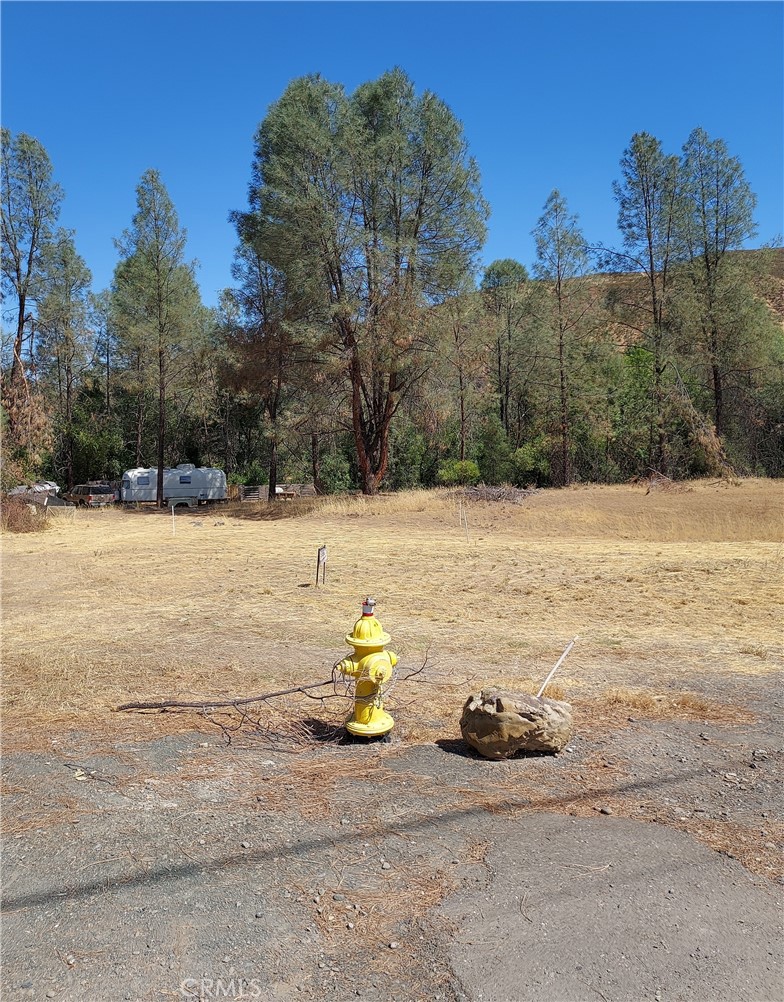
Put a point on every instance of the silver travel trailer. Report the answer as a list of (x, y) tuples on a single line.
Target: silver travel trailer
[(185, 484)]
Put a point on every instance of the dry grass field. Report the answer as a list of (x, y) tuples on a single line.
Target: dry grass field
[(676, 593)]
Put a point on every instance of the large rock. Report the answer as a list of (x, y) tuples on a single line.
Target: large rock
[(499, 723)]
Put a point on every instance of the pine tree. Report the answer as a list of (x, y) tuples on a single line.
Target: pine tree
[(156, 307), (30, 207), (375, 201), (65, 344), (717, 217), (567, 309), (648, 202), (506, 298)]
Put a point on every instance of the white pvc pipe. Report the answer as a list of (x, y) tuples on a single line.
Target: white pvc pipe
[(556, 666)]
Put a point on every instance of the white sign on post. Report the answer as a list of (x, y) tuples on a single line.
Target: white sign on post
[(321, 565)]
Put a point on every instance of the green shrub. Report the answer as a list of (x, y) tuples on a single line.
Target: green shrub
[(406, 455), (457, 472), (334, 473), (255, 474), (495, 453), (531, 462)]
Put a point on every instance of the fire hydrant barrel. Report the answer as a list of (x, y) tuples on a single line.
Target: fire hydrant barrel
[(363, 707)]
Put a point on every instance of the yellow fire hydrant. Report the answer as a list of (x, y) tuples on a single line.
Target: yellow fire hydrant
[(371, 668)]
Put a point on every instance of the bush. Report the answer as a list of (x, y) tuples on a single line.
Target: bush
[(255, 474), (495, 453), (531, 462), (334, 473), (457, 472), (406, 455), (19, 515)]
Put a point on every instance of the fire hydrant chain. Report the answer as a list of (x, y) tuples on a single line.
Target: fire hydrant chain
[(372, 670), (346, 685)]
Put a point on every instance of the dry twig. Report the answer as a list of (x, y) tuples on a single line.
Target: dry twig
[(210, 704)]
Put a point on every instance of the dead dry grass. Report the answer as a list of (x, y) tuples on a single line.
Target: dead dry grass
[(663, 589), (21, 515), (594, 713)]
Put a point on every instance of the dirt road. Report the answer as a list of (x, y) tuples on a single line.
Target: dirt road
[(181, 868)]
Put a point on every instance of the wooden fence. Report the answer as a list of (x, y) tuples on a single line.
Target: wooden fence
[(284, 492)]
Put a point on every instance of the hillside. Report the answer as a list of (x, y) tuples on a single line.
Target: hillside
[(765, 268)]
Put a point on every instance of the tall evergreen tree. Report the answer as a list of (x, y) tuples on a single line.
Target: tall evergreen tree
[(263, 335), (717, 217), (106, 344), (30, 207), (156, 307), (506, 299), (464, 359), (648, 203), (562, 266), (29, 211), (65, 344), (377, 197)]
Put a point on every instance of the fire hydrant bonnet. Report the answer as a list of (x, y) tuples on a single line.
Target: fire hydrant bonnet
[(367, 632)]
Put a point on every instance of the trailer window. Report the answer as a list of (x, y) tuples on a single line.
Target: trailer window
[(143, 482), (185, 480)]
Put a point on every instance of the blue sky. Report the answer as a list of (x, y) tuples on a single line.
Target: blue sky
[(549, 95)]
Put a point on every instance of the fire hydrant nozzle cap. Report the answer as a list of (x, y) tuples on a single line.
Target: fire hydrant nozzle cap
[(368, 632)]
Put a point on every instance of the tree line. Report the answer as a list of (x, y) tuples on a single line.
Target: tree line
[(361, 347)]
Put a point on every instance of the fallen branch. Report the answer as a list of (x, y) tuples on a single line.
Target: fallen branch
[(212, 704), (234, 716)]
